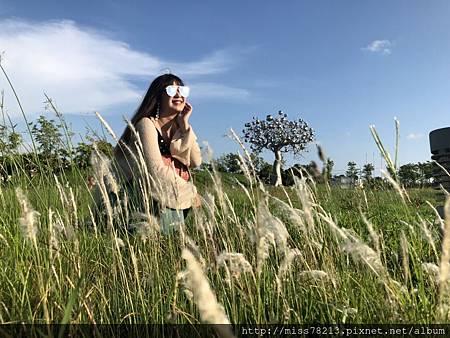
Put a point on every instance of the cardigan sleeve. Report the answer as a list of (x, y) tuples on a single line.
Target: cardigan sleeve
[(178, 193), (184, 147)]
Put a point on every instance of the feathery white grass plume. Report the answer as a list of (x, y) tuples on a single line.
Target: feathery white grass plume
[(261, 186), (62, 195), (438, 217), (210, 222), (210, 203), (103, 169), (206, 224), (119, 242), (307, 200), (182, 279), (357, 249), (195, 250), (401, 191), (208, 152), (340, 234), (244, 164), (410, 227), (146, 226), (373, 234), (56, 228), (269, 224), (287, 195), (397, 287), (285, 267), (70, 207), (53, 239), (5, 241), (313, 276), (210, 309), (286, 264), (235, 263), (348, 311), (244, 167), (365, 254), (383, 151), (215, 176), (428, 236), (296, 216), (247, 193), (231, 209), (99, 164), (262, 250), (126, 203), (106, 125), (432, 270), (405, 256), (74, 207), (287, 312), (94, 223), (29, 220)]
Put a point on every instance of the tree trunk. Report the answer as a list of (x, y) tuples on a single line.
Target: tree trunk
[(276, 174)]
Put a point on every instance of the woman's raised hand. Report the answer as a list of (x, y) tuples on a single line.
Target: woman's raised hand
[(183, 117)]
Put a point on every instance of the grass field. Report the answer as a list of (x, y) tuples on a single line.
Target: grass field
[(251, 254)]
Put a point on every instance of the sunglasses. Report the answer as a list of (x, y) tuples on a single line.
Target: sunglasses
[(172, 90)]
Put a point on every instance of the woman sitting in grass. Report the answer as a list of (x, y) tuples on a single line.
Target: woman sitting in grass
[(164, 145)]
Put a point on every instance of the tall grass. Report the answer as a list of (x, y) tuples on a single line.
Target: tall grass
[(264, 259), (251, 254)]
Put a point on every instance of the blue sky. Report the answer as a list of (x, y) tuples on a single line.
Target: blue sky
[(339, 65)]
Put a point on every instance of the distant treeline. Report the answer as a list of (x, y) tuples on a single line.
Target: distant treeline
[(49, 151), (52, 151), (410, 175)]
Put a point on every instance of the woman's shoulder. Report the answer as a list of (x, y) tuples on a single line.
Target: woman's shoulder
[(146, 124)]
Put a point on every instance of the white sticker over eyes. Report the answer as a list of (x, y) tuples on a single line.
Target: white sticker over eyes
[(172, 90), (184, 91)]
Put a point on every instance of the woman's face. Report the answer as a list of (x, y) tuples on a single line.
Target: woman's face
[(171, 105)]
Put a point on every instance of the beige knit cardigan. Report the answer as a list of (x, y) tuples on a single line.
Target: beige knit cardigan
[(166, 186)]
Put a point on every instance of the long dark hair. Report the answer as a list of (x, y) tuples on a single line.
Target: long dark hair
[(149, 104)]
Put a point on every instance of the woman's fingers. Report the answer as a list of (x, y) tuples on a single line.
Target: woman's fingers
[(188, 109)]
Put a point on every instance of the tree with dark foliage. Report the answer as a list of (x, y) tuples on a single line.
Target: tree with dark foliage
[(367, 172), (409, 174), (352, 171)]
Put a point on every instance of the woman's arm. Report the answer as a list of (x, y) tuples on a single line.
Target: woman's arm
[(184, 147), (169, 180)]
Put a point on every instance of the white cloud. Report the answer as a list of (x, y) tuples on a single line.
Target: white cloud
[(208, 90), (414, 136), (217, 62), (379, 46), (85, 70)]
